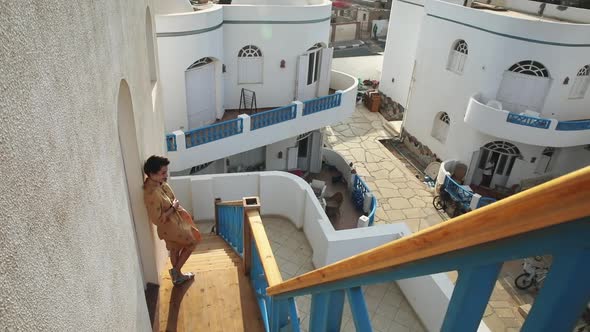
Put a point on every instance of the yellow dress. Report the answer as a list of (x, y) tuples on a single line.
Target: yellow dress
[(177, 233)]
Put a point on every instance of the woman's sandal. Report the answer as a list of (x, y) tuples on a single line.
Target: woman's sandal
[(178, 278)]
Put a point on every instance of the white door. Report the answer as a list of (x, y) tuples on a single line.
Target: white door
[(312, 74), (200, 95), (520, 92)]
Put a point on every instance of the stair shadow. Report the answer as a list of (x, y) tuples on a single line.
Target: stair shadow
[(176, 297)]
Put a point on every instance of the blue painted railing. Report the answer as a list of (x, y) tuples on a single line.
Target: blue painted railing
[(459, 194), (321, 103), (213, 132), (573, 125), (483, 201), (231, 226), (359, 189), (171, 142), (529, 121), (269, 118)]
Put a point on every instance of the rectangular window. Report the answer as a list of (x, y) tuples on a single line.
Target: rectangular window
[(250, 70), (310, 68)]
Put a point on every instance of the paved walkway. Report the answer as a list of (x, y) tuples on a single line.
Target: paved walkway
[(404, 198)]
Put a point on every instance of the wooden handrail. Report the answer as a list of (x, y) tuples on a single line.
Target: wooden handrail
[(558, 201), (269, 263)]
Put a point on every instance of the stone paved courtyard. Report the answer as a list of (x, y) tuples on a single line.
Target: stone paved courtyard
[(404, 198)]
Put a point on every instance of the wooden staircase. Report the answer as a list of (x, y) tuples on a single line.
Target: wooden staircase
[(219, 299)]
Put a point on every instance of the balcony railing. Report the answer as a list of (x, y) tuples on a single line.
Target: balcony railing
[(458, 193), (487, 116), (213, 132), (321, 104), (171, 142), (217, 131), (573, 125), (269, 118), (359, 190), (530, 121)]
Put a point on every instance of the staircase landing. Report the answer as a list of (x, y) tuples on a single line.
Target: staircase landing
[(219, 299)]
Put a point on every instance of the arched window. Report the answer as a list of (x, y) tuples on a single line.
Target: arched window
[(458, 56), (149, 41), (440, 127), (581, 83), (524, 87), (200, 62), (250, 65), (530, 67)]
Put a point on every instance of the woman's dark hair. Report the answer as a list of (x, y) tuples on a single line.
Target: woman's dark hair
[(154, 164)]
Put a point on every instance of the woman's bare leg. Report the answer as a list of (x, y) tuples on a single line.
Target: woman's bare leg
[(183, 256), (174, 257)]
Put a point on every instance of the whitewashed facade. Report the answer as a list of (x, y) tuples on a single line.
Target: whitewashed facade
[(481, 85)]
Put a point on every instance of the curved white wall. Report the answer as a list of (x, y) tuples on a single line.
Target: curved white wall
[(68, 252)]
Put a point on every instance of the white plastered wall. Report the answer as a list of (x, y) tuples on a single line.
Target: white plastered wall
[(437, 89), (66, 222)]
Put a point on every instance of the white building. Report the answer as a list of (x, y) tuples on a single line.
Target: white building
[(220, 60), (488, 83)]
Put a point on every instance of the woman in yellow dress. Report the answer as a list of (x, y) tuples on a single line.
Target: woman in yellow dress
[(175, 225)]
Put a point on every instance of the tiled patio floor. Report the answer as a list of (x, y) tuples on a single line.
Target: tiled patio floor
[(388, 308)]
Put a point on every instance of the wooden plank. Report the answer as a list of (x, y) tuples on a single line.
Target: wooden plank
[(219, 299), (269, 264), (558, 201)]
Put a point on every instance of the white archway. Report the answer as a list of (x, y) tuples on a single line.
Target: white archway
[(132, 165)]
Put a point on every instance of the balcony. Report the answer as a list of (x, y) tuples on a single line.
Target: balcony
[(487, 116), (205, 144)]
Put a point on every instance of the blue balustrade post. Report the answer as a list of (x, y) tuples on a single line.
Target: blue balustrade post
[(335, 307), (358, 308), (293, 316), (318, 319), (470, 297), (564, 295), (279, 314)]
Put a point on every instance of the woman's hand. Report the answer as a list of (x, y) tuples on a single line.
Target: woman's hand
[(175, 204)]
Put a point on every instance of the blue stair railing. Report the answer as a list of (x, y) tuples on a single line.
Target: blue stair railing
[(230, 223), (549, 219)]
